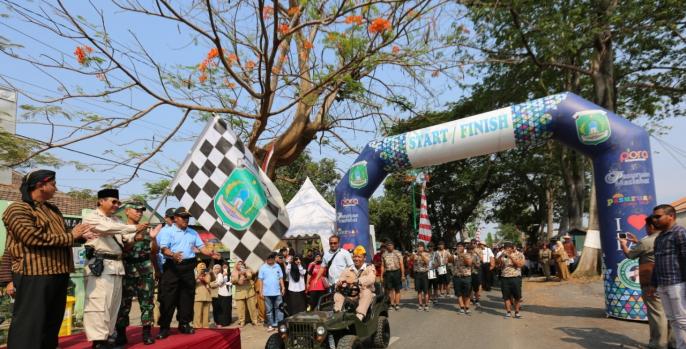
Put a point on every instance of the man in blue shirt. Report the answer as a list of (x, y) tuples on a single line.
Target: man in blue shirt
[(669, 275), (177, 286), (272, 290)]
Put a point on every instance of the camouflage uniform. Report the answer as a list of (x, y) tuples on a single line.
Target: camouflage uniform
[(139, 281)]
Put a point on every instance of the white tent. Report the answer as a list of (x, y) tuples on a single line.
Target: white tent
[(310, 215)]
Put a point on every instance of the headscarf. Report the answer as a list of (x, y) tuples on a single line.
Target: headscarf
[(295, 271), (31, 180)]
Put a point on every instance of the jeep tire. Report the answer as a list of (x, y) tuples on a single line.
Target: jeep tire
[(275, 342), (349, 342), (382, 336)]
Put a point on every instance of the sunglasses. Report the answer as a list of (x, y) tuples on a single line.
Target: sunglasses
[(115, 202), (656, 216)]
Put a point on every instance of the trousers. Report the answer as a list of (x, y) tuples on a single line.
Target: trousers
[(38, 310), (103, 298), (365, 300), (249, 304), (657, 320), (274, 313), (177, 293), (201, 314), (674, 303), (138, 282)]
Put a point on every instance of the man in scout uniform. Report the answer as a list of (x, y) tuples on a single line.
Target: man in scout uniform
[(177, 286), (442, 255), (475, 253), (104, 269), (138, 281), (392, 273), (462, 279), (361, 274), (511, 262)]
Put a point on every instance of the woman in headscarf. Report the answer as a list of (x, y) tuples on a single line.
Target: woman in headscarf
[(203, 296), (561, 258), (295, 298), (221, 297), (41, 248), (241, 278)]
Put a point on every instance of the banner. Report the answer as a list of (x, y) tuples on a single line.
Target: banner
[(229, 195)]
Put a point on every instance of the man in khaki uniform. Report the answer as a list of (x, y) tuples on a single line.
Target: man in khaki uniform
[(362, 274), (104, 269)]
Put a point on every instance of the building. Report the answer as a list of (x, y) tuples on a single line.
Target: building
[(680, 206)]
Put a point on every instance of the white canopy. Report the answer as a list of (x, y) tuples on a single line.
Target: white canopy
[(310, 214)]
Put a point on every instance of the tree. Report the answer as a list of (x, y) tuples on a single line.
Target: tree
[(489, 240), (627, 58), (508, 233), (323, 175), (282, 73), (391, 214)]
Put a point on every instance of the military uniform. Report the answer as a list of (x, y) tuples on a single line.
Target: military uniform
[(366, 276), (103, 292), (139, 281)]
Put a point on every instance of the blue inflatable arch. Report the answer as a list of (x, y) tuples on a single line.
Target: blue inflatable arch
[(619, 149)]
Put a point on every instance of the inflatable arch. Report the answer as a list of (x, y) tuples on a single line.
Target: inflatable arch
[(619, 149)]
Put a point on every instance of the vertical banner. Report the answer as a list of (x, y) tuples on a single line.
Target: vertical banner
[(424, 223)]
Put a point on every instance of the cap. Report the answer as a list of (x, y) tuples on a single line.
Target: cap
[(182, 212), (137, 205), (169, 212), (108, 193), (359, 251)]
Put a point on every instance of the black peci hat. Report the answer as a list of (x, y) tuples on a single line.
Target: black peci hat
[(108, 193)]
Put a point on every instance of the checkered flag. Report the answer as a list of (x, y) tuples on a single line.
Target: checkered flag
[(225, 190)]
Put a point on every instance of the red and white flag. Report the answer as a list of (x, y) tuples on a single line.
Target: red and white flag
[(424, 223)]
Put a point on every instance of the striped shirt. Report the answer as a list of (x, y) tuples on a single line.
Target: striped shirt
[(38, 239)]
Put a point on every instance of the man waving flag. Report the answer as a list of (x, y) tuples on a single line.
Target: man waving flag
[(229, 195)]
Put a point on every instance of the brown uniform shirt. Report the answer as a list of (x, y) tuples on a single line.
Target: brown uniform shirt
[(366, 276), (421, 266), (392, 260), (38, 240), (460, 267), (509, 269)]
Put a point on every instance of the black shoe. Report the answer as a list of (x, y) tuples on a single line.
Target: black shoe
[(101, 345), (186, 329), (147, 335), (164, 333), (121, 336)]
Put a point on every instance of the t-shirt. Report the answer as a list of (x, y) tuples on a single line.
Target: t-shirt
[(460, 267), (392, 260), (421, 266), (270, 276), (509, 270)]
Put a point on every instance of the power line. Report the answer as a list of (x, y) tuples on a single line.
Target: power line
[(99, 157)]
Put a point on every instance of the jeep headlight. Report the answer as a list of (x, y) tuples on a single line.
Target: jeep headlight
[(283, 328), (321, 331)]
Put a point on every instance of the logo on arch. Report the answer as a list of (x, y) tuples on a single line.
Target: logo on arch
[(592, 126)]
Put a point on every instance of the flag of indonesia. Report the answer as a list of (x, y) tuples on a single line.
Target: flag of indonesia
[(424, 223)]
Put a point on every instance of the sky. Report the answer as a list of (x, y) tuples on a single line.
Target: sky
[(668, 150)]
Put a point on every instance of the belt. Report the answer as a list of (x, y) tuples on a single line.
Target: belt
[(188, 261), (388, 271), (113, 257)]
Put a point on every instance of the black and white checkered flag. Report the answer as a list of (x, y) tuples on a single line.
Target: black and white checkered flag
[(225, 190)]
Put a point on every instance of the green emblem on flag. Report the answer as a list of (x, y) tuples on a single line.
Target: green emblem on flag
[(240, 199), (358, 175), (592, 126)]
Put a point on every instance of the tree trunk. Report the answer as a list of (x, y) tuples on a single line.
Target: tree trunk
[(602, 68), (590, 264), (550, 209), (573, 173)]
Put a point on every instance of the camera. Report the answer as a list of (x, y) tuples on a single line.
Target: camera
[(621, 235)]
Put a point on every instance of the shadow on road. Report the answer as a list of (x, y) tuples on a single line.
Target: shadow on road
[(597, 338)]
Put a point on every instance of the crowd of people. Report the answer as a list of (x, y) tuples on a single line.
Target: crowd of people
[(127, 259)]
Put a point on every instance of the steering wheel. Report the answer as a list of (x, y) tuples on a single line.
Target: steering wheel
[(349, 290)]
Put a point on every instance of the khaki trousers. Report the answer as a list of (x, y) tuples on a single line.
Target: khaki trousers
[(261, 310), (366, 298), (562, 270), (201, 314), (657, 320), (250, 305), (103, 298)]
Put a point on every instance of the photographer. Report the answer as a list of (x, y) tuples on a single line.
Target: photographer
[(295, 297), (241, 278), (511, 262), (203, 296)]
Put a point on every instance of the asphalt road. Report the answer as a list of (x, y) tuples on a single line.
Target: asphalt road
[(556, 315)]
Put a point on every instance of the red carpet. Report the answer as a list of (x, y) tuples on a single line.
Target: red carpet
[(217, 338)]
